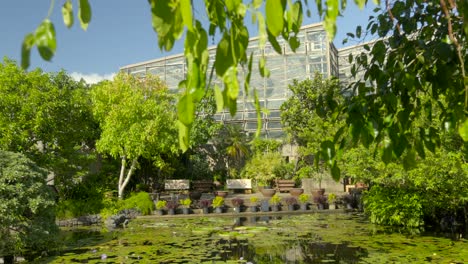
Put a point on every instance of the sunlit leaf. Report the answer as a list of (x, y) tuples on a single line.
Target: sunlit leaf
[(463, 130), (84, 14), (186, 10), (45, 39), (186, 109), (28, 43), (219, 98), (67, 13), (274, 10)]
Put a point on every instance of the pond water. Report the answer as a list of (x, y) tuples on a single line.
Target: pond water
[(312, 238)]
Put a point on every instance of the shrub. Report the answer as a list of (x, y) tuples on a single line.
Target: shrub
[(254, 200), (394, 206), (303, 198), (141, 201)]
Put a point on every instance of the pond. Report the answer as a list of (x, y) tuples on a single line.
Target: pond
[(311, 238)]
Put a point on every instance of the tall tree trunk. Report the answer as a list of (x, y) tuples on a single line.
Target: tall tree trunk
[(123, 180)]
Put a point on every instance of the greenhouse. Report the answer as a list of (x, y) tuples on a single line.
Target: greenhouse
[(315, 54)]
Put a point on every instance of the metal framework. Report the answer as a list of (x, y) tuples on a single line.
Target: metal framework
[(315, 54)]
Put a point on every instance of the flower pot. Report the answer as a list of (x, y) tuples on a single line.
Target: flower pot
[(318, 192), (290, 207), (320, 206), (237, 209), (274, 207), (304, 207), (253, 208), (268, 192), (222, 193), (186, 210), (195, 195), (218, 210), (349, 206), (206, 210), (332, 206), (171, 211), (296, 191), (159, 212)]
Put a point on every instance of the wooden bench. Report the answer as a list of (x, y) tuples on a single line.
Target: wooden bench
[(284, 185), (203, 186), (244, 185), (176, 185)]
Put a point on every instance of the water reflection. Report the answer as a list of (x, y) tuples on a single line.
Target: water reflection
[(299, 251)]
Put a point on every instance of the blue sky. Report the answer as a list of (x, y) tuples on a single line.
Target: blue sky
[(119, 34)]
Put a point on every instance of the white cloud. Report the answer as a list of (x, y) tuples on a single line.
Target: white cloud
[(92, 77)]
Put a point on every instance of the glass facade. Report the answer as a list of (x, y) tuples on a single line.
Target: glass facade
[(315, 54)]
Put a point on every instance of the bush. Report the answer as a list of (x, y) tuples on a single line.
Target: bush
[(141, 201), (394, 206)]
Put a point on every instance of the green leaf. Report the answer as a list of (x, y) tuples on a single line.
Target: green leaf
[(186, 10), (231, 83), (335, 172), (223, 56), (463, 130), (67, 13), (328, 151), (219, 98), (28, 43), (330, 18), (84, 13), (257, 3), (294, 43), (259, 114), (45, 39), (262, 32), (358, 31), (264, 72), (186, 109), (183, 136), (274, 43), (274, 10)]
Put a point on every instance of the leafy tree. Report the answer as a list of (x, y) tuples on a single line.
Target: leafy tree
[(232, 144), (48, 118), (137, 119), (309, 119), (264, 168), (416, 67), (27, 220)]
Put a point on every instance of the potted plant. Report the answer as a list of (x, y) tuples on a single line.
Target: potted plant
[(218, 203), (185, 203), (295, 192), (253, 203), (291, 202), (237, 204), (171, 207), (160, 205), (275, 201), (205, 205), (331, 201), (320, 201), (303, 200)]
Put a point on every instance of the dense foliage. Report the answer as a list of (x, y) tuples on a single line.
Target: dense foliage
[(48, 118), (27, 220)]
